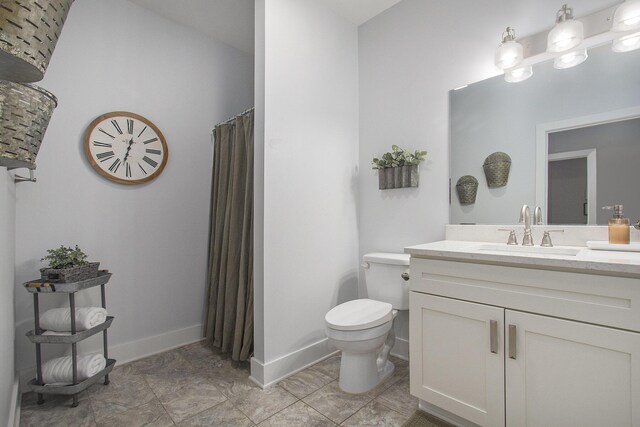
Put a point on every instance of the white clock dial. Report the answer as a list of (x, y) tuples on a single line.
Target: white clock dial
[(125, 148)]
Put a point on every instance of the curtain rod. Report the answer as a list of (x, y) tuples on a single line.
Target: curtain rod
[(234, 117)]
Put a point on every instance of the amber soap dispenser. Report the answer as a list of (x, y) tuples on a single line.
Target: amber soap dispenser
[(618, 226)]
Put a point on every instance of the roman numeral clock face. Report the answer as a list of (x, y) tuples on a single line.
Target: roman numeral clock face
[(125, 148)]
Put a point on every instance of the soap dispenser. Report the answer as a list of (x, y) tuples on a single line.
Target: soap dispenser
[(618, 226)]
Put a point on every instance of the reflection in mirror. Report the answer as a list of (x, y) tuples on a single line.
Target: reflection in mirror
[(573, 137), (591, 167)]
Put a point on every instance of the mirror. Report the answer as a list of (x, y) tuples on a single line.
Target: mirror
[(573, 137)]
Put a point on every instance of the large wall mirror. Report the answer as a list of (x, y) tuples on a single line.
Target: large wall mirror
[(573, 137)]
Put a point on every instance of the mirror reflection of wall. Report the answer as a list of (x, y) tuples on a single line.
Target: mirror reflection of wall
[(493, 115), (617, 172)]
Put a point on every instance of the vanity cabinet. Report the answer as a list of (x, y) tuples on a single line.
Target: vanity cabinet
[(496, 345)]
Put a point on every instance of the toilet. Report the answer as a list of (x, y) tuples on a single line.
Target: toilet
[(363, 329)]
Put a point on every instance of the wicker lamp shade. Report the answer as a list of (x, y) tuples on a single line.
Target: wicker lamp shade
[(25, 111), (467, 188), (29, 31), (496, 169)]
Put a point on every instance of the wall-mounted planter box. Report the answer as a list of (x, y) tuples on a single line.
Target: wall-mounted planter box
[(398, 177), (467, 188), (25, 111)]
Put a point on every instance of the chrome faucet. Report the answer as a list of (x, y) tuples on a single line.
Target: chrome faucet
[(525, 217)]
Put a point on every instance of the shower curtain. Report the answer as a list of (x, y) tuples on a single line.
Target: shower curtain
[(229, 324)]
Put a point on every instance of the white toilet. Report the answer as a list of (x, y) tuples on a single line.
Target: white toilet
[(363, 329)]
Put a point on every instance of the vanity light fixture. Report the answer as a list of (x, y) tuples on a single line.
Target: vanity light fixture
[(518, 74), (571, 59), (626, 43), (510, 53), (627, 16), (567, 34)]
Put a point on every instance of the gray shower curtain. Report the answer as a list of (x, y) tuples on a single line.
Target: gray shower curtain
[(229, 325)]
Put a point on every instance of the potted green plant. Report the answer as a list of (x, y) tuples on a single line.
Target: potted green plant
[(68, 265), (398, 168)]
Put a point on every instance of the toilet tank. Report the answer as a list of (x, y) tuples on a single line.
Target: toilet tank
[(382, 273)]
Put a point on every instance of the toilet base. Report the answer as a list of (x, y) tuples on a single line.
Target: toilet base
[(359, 372)]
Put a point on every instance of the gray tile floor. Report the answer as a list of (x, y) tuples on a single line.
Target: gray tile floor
[(195, 386)]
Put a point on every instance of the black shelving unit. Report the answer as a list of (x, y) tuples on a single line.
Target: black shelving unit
[(37, 287)]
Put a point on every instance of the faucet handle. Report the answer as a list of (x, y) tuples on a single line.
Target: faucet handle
[(513, 240), (637, 225), (546, 238)]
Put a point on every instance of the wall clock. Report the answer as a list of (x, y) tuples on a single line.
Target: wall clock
[(125, 148)]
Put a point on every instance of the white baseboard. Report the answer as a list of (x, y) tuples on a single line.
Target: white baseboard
[(401, 349), (16, 402), (134, 350), (267, 374)]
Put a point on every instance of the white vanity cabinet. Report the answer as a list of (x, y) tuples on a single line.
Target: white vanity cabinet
[(498, 345)]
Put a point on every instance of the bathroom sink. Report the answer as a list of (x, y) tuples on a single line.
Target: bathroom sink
[(529, 250)]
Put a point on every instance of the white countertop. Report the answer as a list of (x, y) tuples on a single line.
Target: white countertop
[(556, 258)]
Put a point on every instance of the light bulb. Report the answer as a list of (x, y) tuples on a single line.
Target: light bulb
[(570, 59), (627, 16), (519, 74), (567, 33), (510, 53), (626, 43)]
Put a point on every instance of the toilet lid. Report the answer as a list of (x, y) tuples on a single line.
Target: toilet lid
[(359, 314)]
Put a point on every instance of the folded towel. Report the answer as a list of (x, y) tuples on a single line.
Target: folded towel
[(59, 371), (59, 319)]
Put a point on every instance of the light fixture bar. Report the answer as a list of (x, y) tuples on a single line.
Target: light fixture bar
[(597, 31)]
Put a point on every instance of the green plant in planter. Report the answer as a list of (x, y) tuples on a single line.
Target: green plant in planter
[(416, 158), (379, 163), (398, 157), (65, 257)]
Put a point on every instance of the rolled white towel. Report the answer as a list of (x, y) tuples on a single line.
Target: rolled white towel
[(59, 371), (59, 319)]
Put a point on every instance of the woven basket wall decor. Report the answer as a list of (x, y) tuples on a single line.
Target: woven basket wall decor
[(29, 31), (496, 169), (467, 188), (25, 111)]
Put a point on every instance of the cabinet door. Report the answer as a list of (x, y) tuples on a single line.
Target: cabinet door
[(564, 373), (457, 357)]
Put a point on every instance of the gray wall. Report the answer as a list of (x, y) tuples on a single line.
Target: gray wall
[(7, 275), (118, 56), (494, 115), (617, 162)]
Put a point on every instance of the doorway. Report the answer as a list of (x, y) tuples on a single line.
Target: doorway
[(567, 198)]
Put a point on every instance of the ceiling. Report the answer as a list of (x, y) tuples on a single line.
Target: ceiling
[(231, 21)]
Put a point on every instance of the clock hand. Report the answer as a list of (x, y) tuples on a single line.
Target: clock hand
[(128, 149)]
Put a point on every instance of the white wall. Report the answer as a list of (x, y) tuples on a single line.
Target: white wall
[(410, 57), (117, 56), (310, 180), (7, 273)]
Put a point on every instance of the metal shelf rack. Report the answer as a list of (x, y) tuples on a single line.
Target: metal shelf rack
[(37, 287)]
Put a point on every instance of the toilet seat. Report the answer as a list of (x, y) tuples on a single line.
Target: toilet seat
[(359, 314)]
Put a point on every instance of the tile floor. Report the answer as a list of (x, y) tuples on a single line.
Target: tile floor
[(195, 386)]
